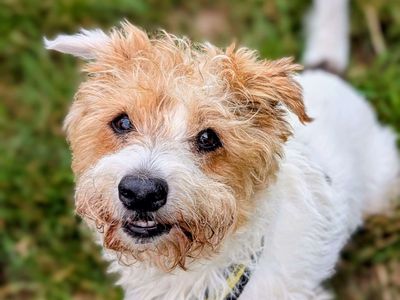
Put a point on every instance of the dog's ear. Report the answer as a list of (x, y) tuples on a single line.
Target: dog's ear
[(84, 44), (91, 44), (264, 83)]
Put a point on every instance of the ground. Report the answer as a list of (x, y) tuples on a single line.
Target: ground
[(45, 251)]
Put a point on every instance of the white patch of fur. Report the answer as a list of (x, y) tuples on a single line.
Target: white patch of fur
[(83, 45), (327, 34)]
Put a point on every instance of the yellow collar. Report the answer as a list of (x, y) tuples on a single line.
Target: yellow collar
[(237, 277)]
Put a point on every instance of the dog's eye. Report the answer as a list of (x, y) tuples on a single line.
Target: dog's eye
[(207, 140), (122, 124)]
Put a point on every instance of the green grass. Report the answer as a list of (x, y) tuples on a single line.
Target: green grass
[(45, 252)]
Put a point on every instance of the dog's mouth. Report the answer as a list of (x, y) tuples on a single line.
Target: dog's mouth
[(144, 227)]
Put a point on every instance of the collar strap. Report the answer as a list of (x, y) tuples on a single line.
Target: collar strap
[(238, 276), (236, 281)]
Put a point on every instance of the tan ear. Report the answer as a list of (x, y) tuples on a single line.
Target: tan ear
[(264, 82)]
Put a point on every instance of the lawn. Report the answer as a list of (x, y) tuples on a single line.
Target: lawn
[(45, 251)]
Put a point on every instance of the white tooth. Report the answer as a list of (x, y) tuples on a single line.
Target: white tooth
[(151, 223), (141, 223)]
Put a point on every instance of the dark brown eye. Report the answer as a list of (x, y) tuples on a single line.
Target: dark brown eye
[(122, 124), (207, 140)]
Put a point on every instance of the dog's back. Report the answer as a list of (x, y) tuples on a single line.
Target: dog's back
[(345, 133), (358, 155)]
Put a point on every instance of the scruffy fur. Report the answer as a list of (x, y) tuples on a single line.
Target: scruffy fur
[(297, 184)]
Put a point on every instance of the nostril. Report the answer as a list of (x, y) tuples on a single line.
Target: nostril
[(126, 192), (161, 189), (143, 194), (127, 187)]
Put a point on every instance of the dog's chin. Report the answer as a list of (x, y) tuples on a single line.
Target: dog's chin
[(144, 229), (163, 241)]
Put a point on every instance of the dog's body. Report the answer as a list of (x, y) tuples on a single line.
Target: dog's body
[(254, 187)]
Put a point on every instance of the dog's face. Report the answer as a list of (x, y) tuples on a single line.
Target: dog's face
[(171, 141)]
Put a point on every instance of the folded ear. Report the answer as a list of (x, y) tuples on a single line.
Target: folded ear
[(84, 44), (264, 83)]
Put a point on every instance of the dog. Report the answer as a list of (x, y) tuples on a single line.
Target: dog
[(213, 174)]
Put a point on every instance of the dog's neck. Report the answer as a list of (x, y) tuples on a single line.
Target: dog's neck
[(207, 277)]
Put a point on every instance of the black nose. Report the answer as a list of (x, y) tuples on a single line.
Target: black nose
[(143, 194)]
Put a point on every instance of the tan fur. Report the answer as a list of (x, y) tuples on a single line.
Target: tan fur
[(241, 97)]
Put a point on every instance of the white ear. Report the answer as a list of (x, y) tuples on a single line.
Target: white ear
[(83, 44)]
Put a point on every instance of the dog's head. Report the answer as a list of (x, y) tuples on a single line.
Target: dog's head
[(172, 140)]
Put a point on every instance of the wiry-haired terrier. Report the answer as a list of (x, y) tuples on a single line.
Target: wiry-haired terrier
[(203, 175)]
